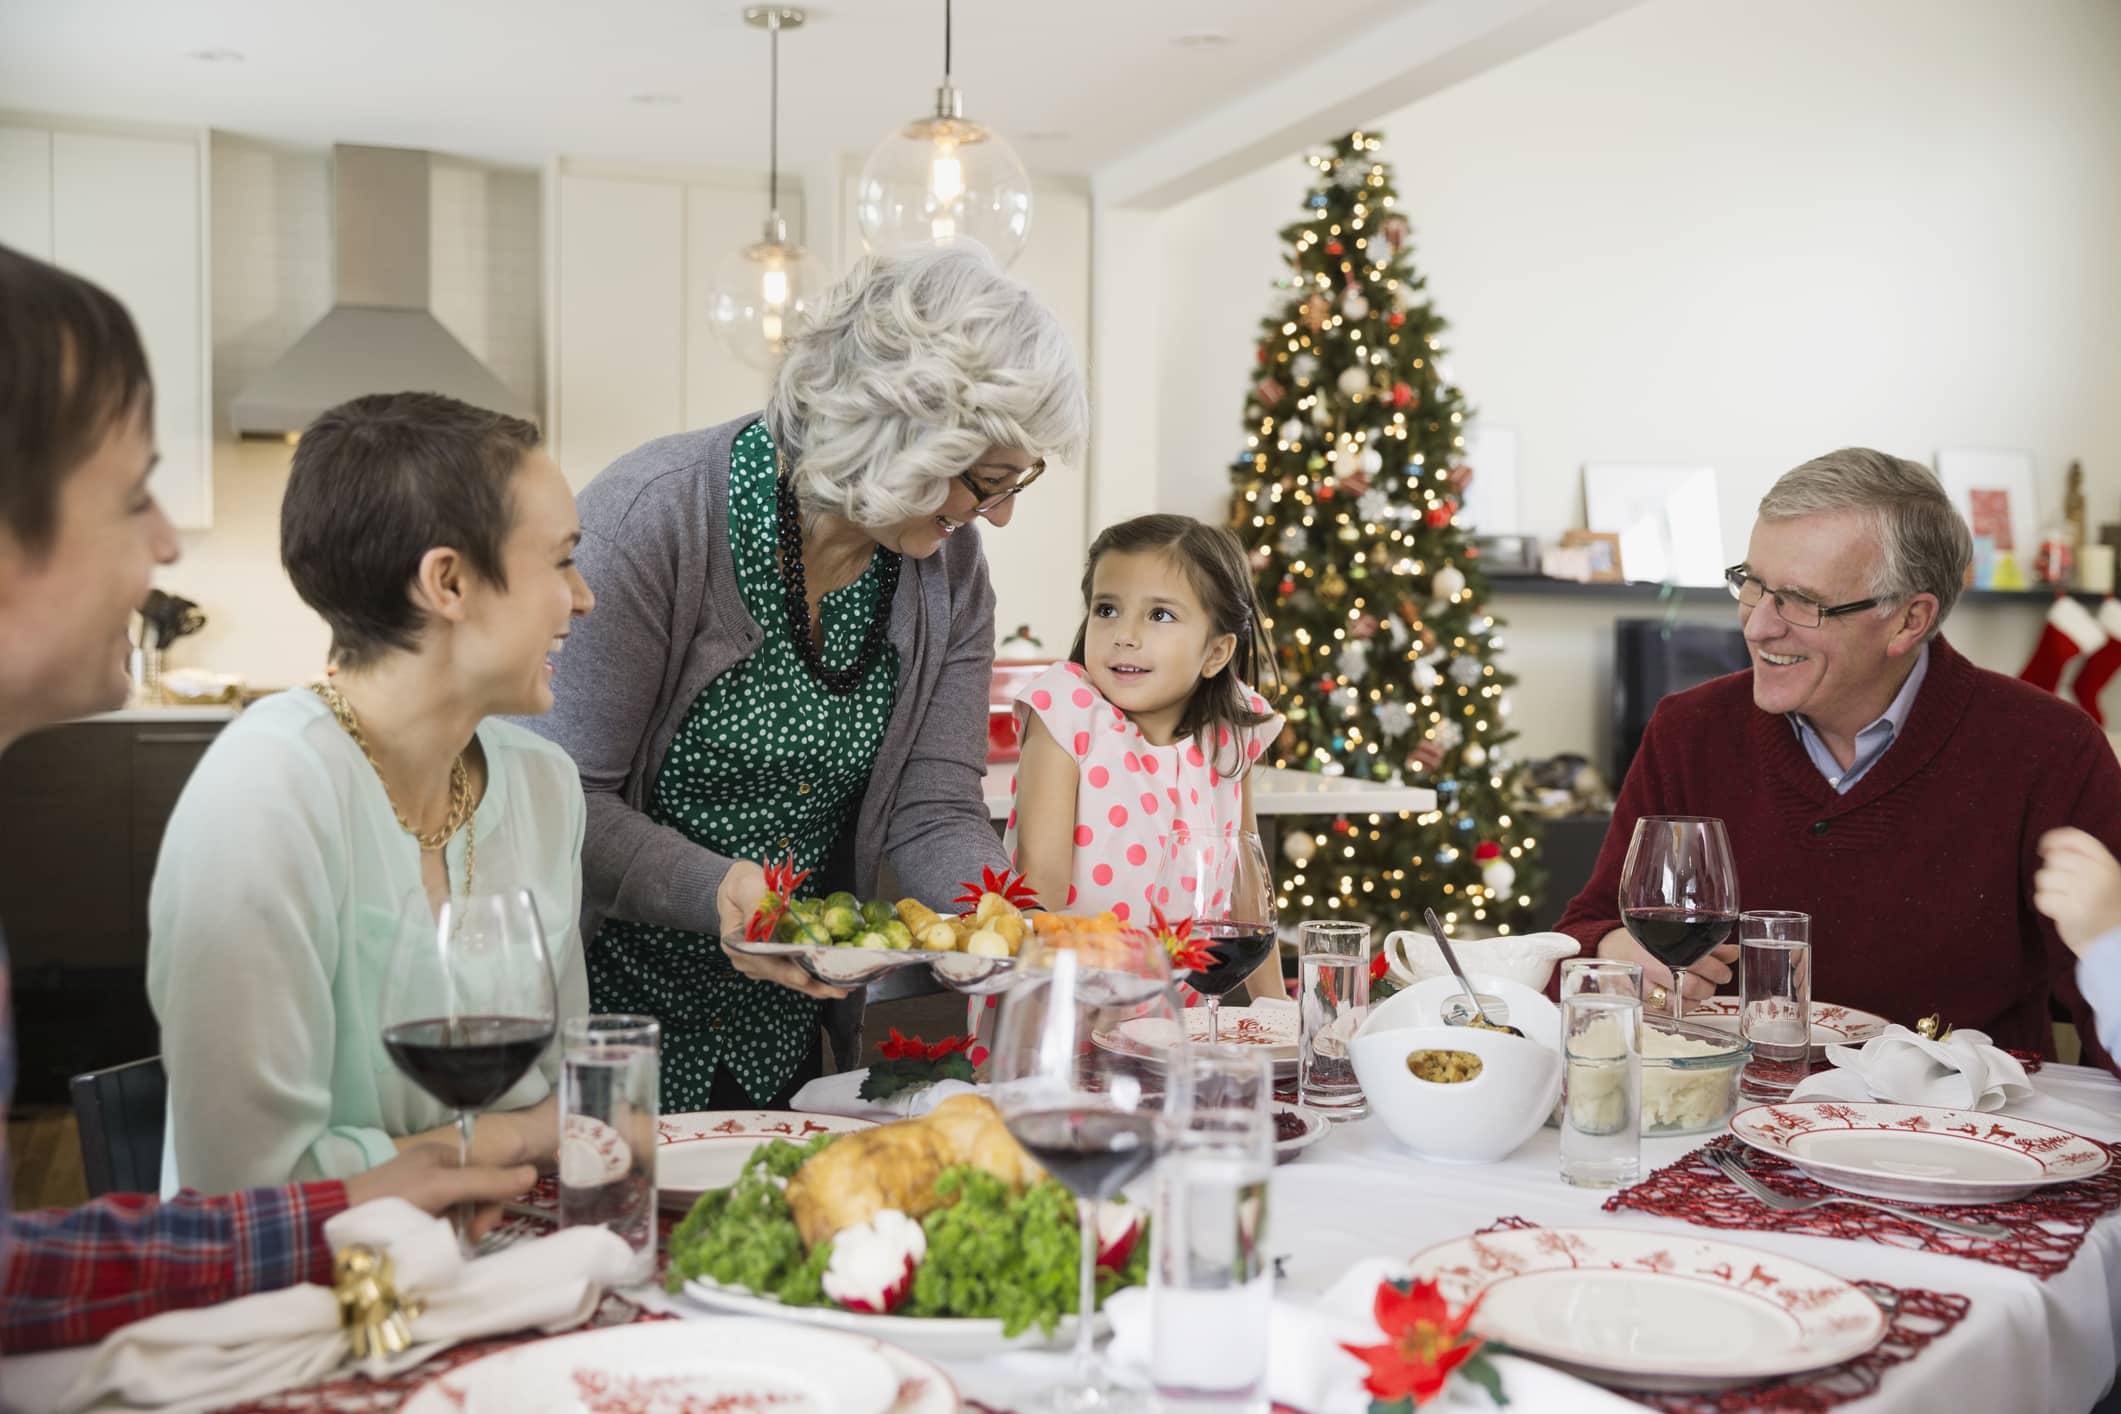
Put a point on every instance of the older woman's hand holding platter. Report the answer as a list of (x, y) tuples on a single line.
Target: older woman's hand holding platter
[(791, 655)]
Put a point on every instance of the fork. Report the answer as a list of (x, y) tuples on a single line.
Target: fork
[(1783, 1203)]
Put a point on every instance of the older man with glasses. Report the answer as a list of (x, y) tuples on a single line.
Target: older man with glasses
[(1868, 774)]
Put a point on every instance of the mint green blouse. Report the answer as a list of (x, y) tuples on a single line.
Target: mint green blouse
[(275, 906)]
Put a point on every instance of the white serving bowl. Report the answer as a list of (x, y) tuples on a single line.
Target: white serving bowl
[(1439, 1001), (1477, 1121), (1527, 958)]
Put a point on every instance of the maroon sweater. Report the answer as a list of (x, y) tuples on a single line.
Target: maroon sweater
[(1920, 879)]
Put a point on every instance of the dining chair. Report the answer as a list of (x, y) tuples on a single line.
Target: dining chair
[(120, 1112)]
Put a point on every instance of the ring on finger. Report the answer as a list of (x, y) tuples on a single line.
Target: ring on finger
[(1659, 994)]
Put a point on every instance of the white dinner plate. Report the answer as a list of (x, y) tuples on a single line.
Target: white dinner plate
[(1652, 1310), (1315, 1127), (696, 1152), (1831, 1025), (666, 1367), (1918, 1154), (938, 1337), (1270, 1030)]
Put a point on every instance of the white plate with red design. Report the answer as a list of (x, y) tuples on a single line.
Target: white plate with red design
[(1269, 1030), (1831, 1025), (696, 1152), (673, 1367), (1652, 1310), (939, 1337), (1919, 1154)]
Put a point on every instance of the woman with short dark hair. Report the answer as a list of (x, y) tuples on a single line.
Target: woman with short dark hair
[(437, 541)]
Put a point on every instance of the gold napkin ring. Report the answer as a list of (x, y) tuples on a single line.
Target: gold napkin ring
[(377, 1320), (1933, 1027)]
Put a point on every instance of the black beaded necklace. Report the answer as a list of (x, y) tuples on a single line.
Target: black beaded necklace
[(789, 525)]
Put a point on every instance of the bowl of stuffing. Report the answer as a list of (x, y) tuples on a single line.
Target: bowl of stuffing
[(1457, 1094)]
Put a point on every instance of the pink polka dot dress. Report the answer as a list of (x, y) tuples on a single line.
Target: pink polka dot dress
[(1129, 793)]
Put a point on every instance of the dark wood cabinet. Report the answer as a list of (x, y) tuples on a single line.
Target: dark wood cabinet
[(85, 806)]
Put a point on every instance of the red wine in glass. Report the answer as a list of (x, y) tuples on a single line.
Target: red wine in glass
[(1238, 950), (1091, 1153), (467, 1062), (1222, 884), (1679, 892)]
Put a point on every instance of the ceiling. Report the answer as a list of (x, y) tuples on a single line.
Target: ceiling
[(1074, 83)]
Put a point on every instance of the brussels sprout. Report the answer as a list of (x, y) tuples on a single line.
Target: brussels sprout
[(841, 923), (876, 913), (872, 939), (843, 899), (811, 932), (898, 934), (786, 928), (806, 907)]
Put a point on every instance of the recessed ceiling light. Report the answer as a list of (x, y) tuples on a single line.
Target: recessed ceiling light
[(216, 56), (1201, 39), (651, 99)]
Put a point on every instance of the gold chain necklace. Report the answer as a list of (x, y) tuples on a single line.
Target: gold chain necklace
[(460, 810)]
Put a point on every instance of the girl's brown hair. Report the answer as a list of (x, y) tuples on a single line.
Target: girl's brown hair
[(1214, 564)]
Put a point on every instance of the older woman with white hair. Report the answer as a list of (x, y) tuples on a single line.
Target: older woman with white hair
[(791, 653)]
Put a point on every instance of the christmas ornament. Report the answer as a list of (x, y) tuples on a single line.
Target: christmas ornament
[(1332, 586), (1425, 676), (1373, 505), (1299, 847), (1334, 248), (1287, 586), (1475, 754), (1438, 516), (1401, 634), (1355, 306), (1355, 483), (1449, 734), (1353, 382), (1485, 851), (1446, 855), (1371, 462), (1393, 719), (1502, 706), (1305, 367), (1447, 582), (1394, 229), (1350, 175), (1426, 756), (1355, 659), (1401, 395), (1461, 476), (1499, 875), (1270, 392), (1292, 431), (1349, 535), (1316, 311), (1465, 671), (1364, 626), (1396, 319), (1346, 698)]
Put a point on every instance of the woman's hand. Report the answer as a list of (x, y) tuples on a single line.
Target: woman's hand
[(427, 1176), (742, 888), (505, 1138), (1702, 979)]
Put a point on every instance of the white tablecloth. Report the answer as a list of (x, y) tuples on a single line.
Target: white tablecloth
[(2026, 1345)]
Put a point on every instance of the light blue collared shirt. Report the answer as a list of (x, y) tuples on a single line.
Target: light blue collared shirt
[(1872, 741), (2099, 978)]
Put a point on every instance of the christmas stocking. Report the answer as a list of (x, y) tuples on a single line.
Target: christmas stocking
[(2069, 631), (2104, 662)]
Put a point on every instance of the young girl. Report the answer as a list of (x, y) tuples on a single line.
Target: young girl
[(1151, 725)]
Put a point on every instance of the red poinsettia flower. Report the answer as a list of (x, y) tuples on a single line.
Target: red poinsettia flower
[(1378, 964), (997, 881), (1188, 953), (1424, 1342), (782, 880)]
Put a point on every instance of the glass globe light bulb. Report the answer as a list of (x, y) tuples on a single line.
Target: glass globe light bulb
[(761, 295), (940, 178)]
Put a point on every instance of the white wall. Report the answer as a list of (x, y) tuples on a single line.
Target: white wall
[(1725, 233), (272, 279)]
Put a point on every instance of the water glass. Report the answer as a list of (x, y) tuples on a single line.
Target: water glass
[(1333, 992), (1603, 975), (1211, 1285), (1775, 1001), (610, 1086), (1601, 1089)]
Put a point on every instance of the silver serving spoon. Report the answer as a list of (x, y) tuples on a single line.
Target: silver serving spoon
[(1436, 932)]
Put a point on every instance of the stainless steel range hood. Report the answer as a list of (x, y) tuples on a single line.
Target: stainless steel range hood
[(380, 336)]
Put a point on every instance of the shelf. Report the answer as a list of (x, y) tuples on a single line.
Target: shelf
[(1537, 587)]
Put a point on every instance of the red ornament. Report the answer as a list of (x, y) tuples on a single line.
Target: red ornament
[(1288, 586), (1262, 354), (1472, 551), (1326, 684), (1333, 248), (1325, 490), (1439, 516), (1396, 319), (1342, 827), (1424, 1342), (1487, 850), (1401, 395)]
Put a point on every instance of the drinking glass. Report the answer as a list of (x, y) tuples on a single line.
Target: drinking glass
[(1222, 884), (610, 1094), (1333, 995), (1089, 1117), (1601, 1089), (1775, 1001), (1679, 892), (1211, 1288), (1609, 975), (468, 1003)]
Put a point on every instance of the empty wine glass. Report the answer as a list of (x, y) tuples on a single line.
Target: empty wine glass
[(468, 1004), (1091, 1117), (1220, 883), (1679, 892)]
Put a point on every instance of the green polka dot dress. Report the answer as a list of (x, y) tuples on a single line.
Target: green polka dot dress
[(767, 763)]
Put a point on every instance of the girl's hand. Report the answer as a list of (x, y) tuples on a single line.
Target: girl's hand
[(2078, 886), (742, 888)]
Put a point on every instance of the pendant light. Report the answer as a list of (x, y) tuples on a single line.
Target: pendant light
[(943, 176), (761, 291)]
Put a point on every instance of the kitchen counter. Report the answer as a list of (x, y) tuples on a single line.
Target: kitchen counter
[(1276, 791)]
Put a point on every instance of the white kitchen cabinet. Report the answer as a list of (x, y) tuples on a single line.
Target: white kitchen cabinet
[(128, 211), (632, 261), (26, 191)]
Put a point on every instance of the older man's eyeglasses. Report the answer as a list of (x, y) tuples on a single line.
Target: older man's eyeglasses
[(1796, 609), (994, 490)]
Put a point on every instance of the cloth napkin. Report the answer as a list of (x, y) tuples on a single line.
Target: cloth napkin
[(1963, 1072), (1307, 1369), (835, 1095), (257, 1345)]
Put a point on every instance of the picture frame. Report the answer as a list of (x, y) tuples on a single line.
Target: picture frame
[(1602, 549), (1667, 518), (1994, 491)]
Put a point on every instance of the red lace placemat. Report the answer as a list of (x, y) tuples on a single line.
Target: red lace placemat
[(1914, 1318), (2047, 1226), (358, 1394)]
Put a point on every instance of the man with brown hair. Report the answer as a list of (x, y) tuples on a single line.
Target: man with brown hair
[(80, 535)]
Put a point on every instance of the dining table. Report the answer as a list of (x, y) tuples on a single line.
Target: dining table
[(2025, 1344)]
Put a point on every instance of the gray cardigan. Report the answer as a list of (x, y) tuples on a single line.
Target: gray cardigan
[(669, 620)]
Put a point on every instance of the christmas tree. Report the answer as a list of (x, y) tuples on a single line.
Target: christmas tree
[(1348, 498)]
